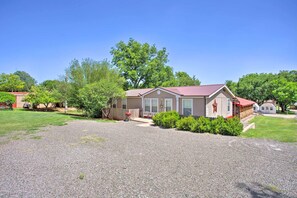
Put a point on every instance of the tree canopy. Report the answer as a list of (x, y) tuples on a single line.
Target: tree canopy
[(10, 82), (91, 85), (27, 79), (143, 66)]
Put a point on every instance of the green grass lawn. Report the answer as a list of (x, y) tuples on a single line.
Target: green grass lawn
[(280, 129), (22, 120)]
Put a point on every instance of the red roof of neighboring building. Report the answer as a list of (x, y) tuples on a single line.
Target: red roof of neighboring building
[(244, 102), (202, 90), (19, 93)]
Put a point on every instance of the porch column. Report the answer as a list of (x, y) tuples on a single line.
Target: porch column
[(142, 106), (177, 104)]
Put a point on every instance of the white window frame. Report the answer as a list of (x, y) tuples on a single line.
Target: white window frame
[(171, 106), (151, 105), (183, 105)]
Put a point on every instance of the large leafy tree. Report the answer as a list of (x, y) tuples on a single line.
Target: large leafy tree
[(232, 86), (10, 82), (184, 79), (50, 84), (27, 79), (142, 65), (291, 76), (257, 87), (285, 92), (7, 98)]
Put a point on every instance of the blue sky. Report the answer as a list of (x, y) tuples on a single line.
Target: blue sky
[(214, 40)]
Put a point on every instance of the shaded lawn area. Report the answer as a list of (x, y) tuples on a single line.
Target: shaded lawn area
[(22, 120), (280, 129)]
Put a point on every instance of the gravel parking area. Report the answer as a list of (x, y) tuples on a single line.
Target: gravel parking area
[(91, 159)]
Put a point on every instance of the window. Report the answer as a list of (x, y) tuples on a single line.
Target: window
[(187, 105), (271, 108), (267, 108), (114, 104), (147, 105), (228, 105), (154, 105), (263, 108), (168, 104), (124, 103), (151, 105)]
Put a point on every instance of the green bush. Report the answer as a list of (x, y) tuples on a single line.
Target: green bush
[(233, 127), (185, 123), (7, 98), (201, 125), (166, 119), (217, 125)]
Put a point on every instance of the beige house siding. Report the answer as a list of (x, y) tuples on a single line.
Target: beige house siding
[(198, 106), (134, 103), (19, 102), (161, 99), (222, 105)]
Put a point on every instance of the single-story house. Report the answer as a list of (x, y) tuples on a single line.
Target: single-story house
[(205, 100), (243, 107), (19, 96), (256, 107), (268, 107)]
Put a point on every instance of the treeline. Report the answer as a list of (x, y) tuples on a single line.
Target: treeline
[(281, 87), (94, 85)]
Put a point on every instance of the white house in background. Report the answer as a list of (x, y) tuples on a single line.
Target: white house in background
[(256, 107), (268, 107)]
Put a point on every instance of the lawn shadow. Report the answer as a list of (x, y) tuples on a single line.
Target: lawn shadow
[(258, 190)]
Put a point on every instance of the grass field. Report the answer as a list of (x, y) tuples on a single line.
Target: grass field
[(22, 120), (280, 129)]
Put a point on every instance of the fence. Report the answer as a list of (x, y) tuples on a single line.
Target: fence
[(119, 113)]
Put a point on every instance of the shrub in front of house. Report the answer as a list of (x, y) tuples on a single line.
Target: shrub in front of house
[(185, 123), (166, 119), (217, 125), (201, 125), (232, 127)]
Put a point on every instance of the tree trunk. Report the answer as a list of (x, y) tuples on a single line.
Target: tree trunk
[(45, 106), (66, 106), (283, 106)]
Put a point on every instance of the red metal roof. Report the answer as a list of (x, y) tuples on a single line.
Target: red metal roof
[(244, 102), (202, 90), (137, 92)]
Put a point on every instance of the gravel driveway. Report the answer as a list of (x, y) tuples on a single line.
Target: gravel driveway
[(91, 159)]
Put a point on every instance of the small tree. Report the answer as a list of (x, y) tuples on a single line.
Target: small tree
[(7, 98), (98, 97), (40, 95)]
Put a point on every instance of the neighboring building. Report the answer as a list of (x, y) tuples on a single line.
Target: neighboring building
[(256, 108), (19, 96), (204, 100), (243, 107), (268, 107)]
